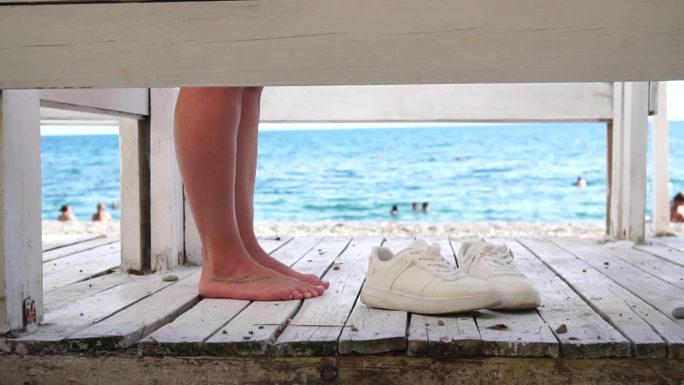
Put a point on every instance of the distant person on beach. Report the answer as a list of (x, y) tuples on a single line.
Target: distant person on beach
[(394, 211), (426, 207), (101, 215), (215, 132), (580, 182), (66, 214), (677, 208), (415, 206)]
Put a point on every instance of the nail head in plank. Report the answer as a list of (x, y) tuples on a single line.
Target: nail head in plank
[(128, 326), (588, 335), (638, 320), (267, 319)]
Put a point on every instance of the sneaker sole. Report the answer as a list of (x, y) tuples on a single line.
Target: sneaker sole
[(518, 302), (385, 299)]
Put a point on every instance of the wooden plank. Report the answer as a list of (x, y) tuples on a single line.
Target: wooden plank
[(448, 335), (134, 143), (656, 292), (661, 170), (256, 327), (57, 265), (81, 271), (369, 330), (471, 41), (20, 205), (643, 325), (52, 244), (97, 242), (129, 325), (628, 168), (346, 370), (167, 238), (187, 333), (440, 103), (61, 323), (667, 271), (73, 292), (588, 335), (676, 243), (289, 254), (667, 253), (129, 102)]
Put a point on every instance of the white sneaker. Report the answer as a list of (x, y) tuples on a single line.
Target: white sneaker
[(494, 264), (418, 279)]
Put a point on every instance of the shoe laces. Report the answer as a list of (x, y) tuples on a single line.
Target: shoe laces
[(433, 260), (499, 258)]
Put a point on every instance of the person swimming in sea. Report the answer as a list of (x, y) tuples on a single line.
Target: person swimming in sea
[(67, 215), (426, 207), (394, 211), (580, 182), (101, 215)]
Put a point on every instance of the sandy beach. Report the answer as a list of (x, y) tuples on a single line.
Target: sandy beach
[(52, 229)]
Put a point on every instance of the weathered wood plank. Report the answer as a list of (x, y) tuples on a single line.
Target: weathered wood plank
[(67, 241), (369, 330), (448, 335), (128, 326), (20, 209), (661, 169), (134, 151), (658, 267), (676, 243), (667, 253), (656, 292), (445, 103), (186, 334), (130, 102), (74, 292), (628, 166), (316, 261), (61, 252), (350, 370), (643, 325), (63, 322), (57, 265), (515, 334), (470, 41), (167, 238), (264, 319), (81, 271), (587, 335)]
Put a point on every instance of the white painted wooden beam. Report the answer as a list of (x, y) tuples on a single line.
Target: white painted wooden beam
[(21, 269), (314, 42), (134, 139), (440, 103), (661, 171), (132, 102), (628, 168), (193, 243), (166, 187)]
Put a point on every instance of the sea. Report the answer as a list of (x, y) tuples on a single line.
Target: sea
[(511, 172)]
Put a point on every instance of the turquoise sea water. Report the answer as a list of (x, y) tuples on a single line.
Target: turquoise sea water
[(467, 173)]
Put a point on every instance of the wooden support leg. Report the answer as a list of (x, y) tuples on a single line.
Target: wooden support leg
[(193, 243), (135, 195), (628, 166), (21, 269), (167, 209), (661, 151)]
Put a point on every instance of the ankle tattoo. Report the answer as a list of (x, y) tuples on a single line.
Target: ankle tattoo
[(241, 280)]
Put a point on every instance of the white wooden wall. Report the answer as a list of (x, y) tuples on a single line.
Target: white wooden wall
[(339, 42), (21, 269)]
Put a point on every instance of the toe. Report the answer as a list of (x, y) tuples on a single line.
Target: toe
[(284, 294), (296, 294)]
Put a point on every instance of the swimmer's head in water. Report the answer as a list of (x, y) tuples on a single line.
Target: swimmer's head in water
[(679, 197), (64, 208), (101, 207)]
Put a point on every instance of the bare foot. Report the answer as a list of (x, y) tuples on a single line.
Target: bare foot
[(250, 281), (261, 257)]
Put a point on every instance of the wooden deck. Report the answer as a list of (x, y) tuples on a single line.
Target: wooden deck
[(606, 318)]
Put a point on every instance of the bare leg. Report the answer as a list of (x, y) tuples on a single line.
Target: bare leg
[(244, 187), (205, 132)]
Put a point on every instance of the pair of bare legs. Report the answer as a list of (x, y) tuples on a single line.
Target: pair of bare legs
[(216, 132)]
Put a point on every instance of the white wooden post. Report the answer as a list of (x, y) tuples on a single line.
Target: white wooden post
[(193, 243), (628, 166), (661, 154), (134, 136), (166, 187), (21, 269)]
